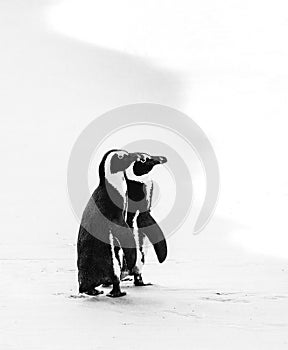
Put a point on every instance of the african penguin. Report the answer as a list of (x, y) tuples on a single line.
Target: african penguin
[(103, 230), (140, 191)]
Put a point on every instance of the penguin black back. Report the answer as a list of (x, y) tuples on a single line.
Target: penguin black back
[(103, 228)]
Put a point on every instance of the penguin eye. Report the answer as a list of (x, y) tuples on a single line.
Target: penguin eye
[(120, 156), (144, 158)]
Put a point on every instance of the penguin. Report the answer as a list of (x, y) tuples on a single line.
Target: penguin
[(138, 216), (103, 231)]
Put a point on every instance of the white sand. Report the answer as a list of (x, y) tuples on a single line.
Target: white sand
[(205, 301)]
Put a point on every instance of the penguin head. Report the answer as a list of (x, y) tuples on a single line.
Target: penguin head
[(115, 161), (121, 160), (146, 163)]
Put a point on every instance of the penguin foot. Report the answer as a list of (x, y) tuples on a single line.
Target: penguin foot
[(116, 291), (142, 284), (94, 292), (138, 281), (116, 294)]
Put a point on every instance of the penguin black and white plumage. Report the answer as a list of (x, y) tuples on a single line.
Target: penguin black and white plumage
[(140, 191), (103, 230)]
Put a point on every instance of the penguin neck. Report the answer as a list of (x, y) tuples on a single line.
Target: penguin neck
[(139, 187), (115, 186), (117, 181), (144, 179)]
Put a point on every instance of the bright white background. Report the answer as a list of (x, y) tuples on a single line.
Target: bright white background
[(223, 63)]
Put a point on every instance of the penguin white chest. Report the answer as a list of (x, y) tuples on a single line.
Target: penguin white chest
[(118, 182)]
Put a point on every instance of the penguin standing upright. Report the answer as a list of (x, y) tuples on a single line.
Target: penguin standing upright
[(103, 230), (140, 191)]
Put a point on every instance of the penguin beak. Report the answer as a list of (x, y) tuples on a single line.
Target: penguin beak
[(158, 160), (163, 160)]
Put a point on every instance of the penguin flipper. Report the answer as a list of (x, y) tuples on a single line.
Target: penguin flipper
[(152, 230)]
